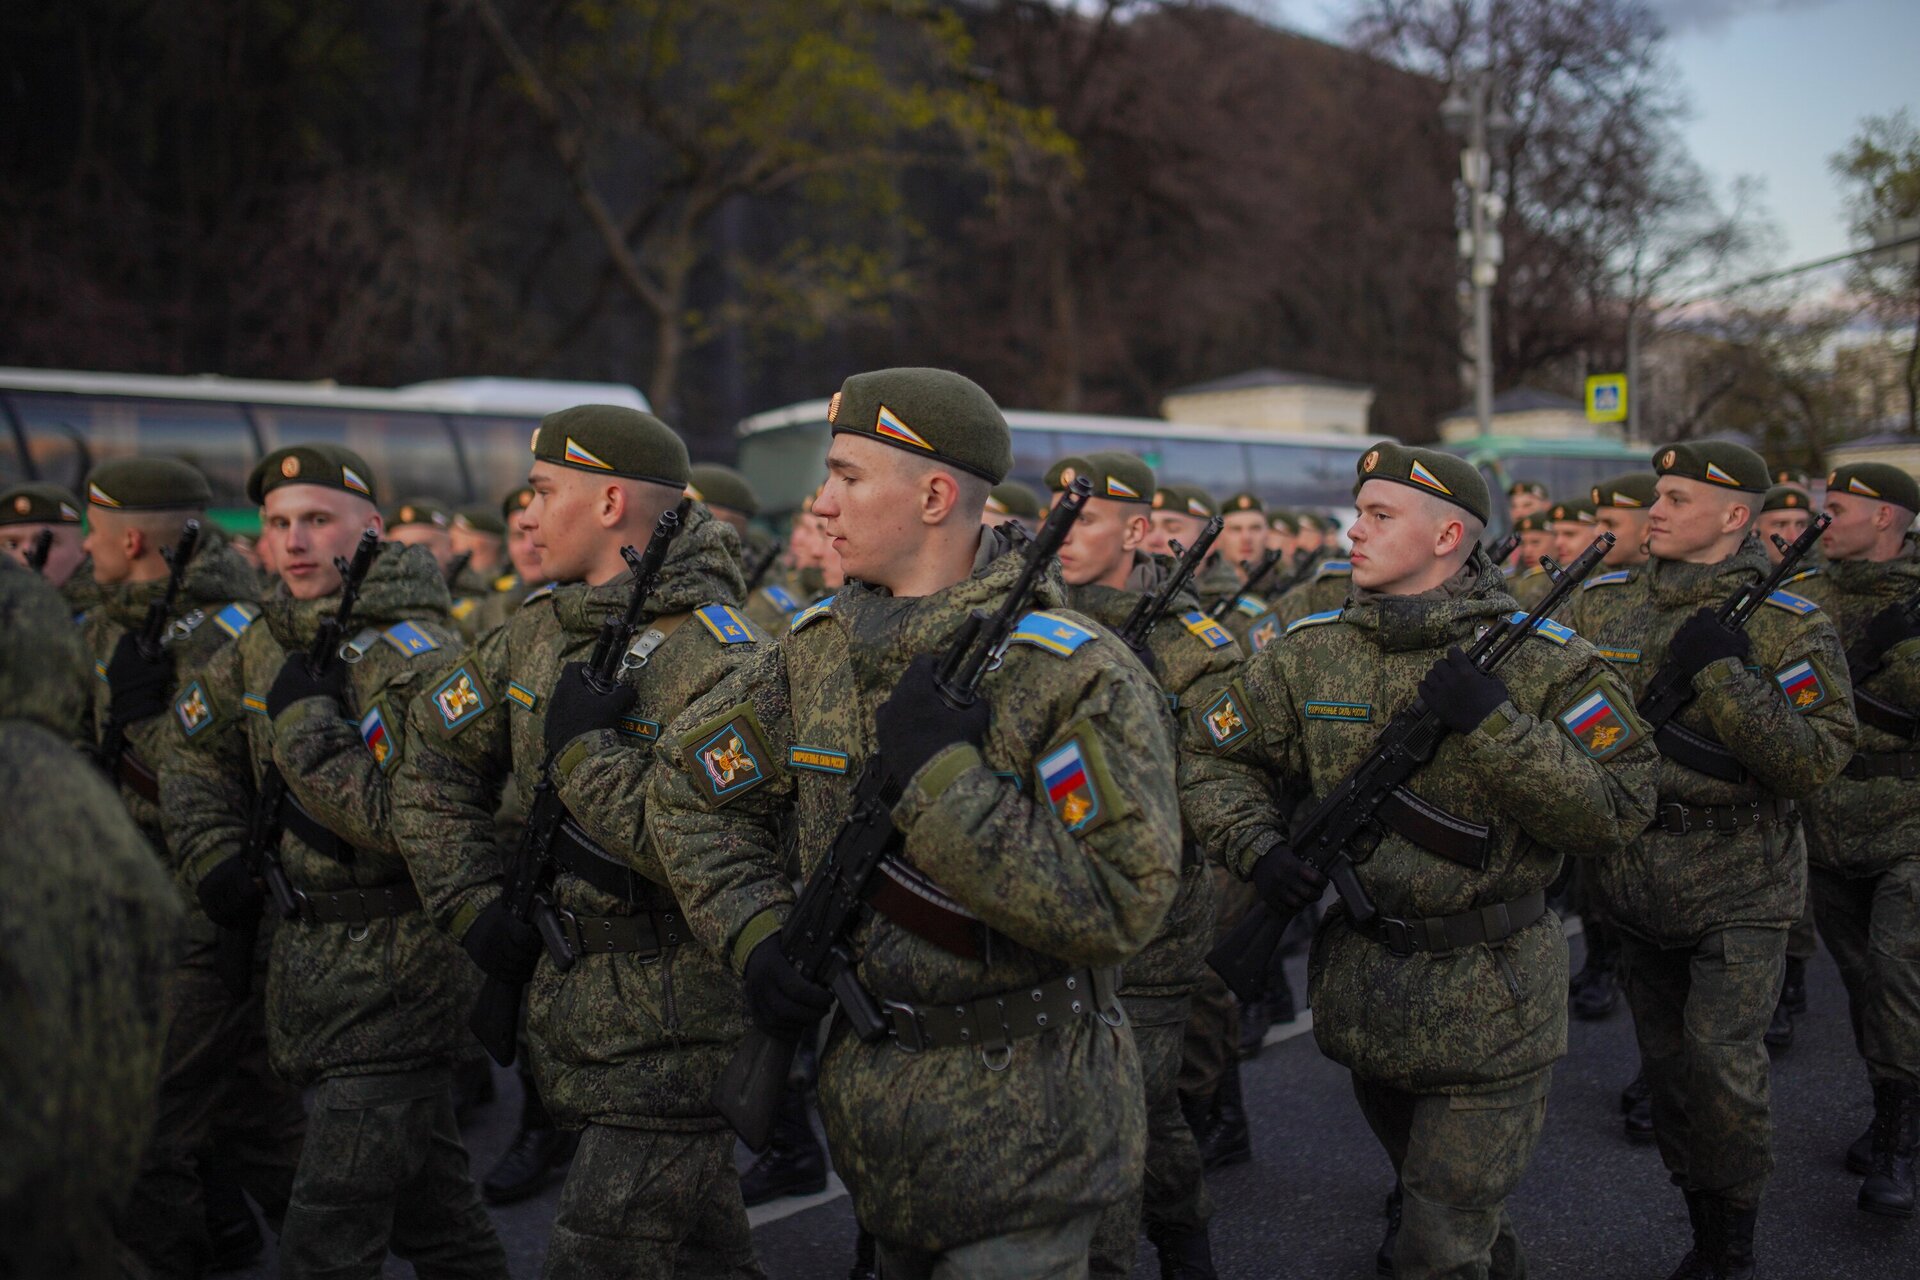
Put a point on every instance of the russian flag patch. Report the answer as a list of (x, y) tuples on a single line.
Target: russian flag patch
[(1801, 683), (1597, 725)]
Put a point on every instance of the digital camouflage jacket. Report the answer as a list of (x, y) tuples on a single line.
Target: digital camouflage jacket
[(622, 1038), (1673, 888), (1563, 767), (1062, 836), (1217, 580), (1326, 590), (342, 999)]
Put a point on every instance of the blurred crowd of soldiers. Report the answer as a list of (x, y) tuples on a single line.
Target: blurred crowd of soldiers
[(271, 800)]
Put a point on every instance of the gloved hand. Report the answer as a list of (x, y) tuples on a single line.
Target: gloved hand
[(1145, 654), (1285, 883), (1703, 640), (1461, 693), (1885, 629), (915, 724), (140, 686), (230, 895), (297, 680), (780, 1000), (576, 707), (502, 946)]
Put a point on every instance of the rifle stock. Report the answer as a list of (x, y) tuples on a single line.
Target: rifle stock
[(1150, 607), (153, 629)]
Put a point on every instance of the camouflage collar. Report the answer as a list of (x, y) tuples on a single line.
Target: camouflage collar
[(1449, 614), (1673, 583), (405, 583), (701, 569), (216, 574), (1893, 579), (890, 627)]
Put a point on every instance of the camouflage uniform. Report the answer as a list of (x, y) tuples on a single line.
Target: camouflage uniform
[(369, 1004), (626, 1043), (215, 1078), (1530, 586), (1703, 915), (1196, 658), (1450, 1049), (471, 593), (1326, 590), (88, 926), (1217, 581), (951, 1149)]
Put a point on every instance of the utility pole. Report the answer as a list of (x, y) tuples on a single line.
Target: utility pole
[(1471, 113)]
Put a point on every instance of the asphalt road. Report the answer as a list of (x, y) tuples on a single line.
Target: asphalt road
[(1308, 1205)]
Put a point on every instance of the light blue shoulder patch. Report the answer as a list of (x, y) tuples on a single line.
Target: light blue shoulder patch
[(782, 598), (538, 593), (1333, 569), (812, 613), (1811, 571), (409, 639), (1606, 579), (727, 624), (235, 619), (1209, 632), (1547, 628), (1252, 606), (1051, 632), (1313, 620), (1792, 603)]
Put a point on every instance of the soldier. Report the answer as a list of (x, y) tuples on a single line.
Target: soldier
[(971, 1143), (1526, 498), (479, 533), (1545, 758), (1011, 501), (366, 1000), (1863, 828), (1283, 533), (1328, 588), (1527, 580), (1317, 535), (1785, 512), (215, 1081), (1179, 512), (628, 1040), (770, 605), (89, 923), (1573, 526), (1244, 539), (425, 522), (1194, 658), (28, 510), (1702, 900)]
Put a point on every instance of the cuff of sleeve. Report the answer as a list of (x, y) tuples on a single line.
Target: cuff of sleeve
[(197, 869), (1905, 651), (757, 931), (1504, 722), (591, 743), (1720, 671), (319, 706), (1254, 848), (935, 777)]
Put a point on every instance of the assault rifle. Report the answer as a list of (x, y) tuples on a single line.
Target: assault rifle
[(495, 1021), (1150, 607), (832, 903), (41, 549), (1501, 550), (758, 569), (234, 959), (1671, 688), (153, 629), (1343, 819)]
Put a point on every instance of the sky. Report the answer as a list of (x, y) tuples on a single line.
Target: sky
[(1775, 87)]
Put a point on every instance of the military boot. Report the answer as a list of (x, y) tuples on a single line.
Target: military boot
[(1595, 991), (1185, 1252), (793, 1163), (232, 1230), (1860, 1153), (523, 1168), (1888, 1190), (1733, 1239), (1228, 1141), (863, 1267), (1793, 989), (1256, 1016), (1636, 1106), (1383, 1257), (1697, 1262)]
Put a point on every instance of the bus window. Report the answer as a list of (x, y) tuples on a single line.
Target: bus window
[(69, 435), (1033, 452), (1313, 476), (410, 453), (1218, 466), (785, 465), (498, 453)]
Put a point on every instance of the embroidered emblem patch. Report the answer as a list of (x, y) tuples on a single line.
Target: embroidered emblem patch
[(1339, 711), (1719, 476), (887, 424), (727, 625), (191, 709), (580, 456), (1051, 632), (1597, 725), (1211, 633), (1420, 475), (812, 613), (459, 699), (782, 599), (1313, 620), (1791, 603), (351, 478), (818, 759), (99, 497), (373, 732), (254, 702), (235, 618), (1606, 579), (1264, 631), (408, 638), (1252, 606), (640, 727), (1069, 786), (1117, 490), (522, 695), (1334, 569), (1546, 628), (100, 672), (727, 756), (1856, 485), (1626, 657), (1225, 720), (1801, 683)]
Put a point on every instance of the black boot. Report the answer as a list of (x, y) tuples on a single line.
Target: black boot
[(1697, 1263), (793, 1163), (1280, 1006), (1228, 1141), (1255, 1017), (1199, 1115), (522, 1169), (1733, 1238), (1185, 1252), (472, 1087), (1888, 1190), (1636, 1104), (1594, 992), (1383, 1257), (863, 1267), (232, 1229), (1860, 1153), (1793, 990), (1779, 1036)]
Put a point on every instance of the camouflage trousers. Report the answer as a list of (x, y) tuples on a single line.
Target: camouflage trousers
[(384, 1168), (1802, 941), (1174, 1190), (1458, 1157), (1700, 1012), (1056, 1252), (1212, 1042), (1872, 926), (217, 1095), (641, 1203)]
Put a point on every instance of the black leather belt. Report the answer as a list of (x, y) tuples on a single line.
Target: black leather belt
[(136, 777), (359, 906), (1904, 765), (1880, 714), (1434, 829), (313, 833), (1700, 752), (577, 853), (643, 933), (1486, 925), (1722, 819), (992, 1023)]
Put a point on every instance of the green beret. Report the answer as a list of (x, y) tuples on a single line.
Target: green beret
[(1720, 462), (1116, 476), (1186, 499), (481, 518), (1880, 480), (330, 466), (1533, 522), (1308, 520), (1013, 499), (1283, 520), (616, 440), (1533, 487), (719, 486), (427, 511), (1445, 476), (516, 502), (1243, 502), (1633, 490), (35, 503), (929, 412), (1786, 497), (1793, 476), (1578, 510), (148, 484), (1064, 470)]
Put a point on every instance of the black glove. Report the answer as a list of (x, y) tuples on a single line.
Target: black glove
[(780, 1000), (1703, 640), (297, 680), (502, 946), (576, 707), (140, 686), (1285, 883), (1885, 629), (915, 724), (1143, 652), (1462, 694), (230, 895)]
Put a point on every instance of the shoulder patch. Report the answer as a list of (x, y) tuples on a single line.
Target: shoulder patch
[(1546, 628), (506, 581), (1224, 719), (781, 598), (1802, 684), (1333, 569), (1210, 633), (538, 593), (409, 639), (463, 608), (1313, 620), (192, 709), (812, 613), (1252, 606), (1597, 722), (100, 672), (1074, 779), (1626, 657), (1606, 579), (727, 756), (236, 618), (374, 732), (1792, 603), (255, 703), (1264, 631), (1811, 571), (817, 759), (1050, 631), (461, 699), (727, 624)]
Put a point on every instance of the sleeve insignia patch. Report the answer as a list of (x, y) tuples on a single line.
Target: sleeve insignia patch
[(1334, 569), (727, 624), (522, 696), (192, 710), (1355, 711), (506, 582), (539, 593), (1626, 657), (409, 639), (254, 702), (782, 598), (463, 608), (1069, 786), (1264, 631), (1050, 631), (812, 613), (1252, 606), (817, 759), (235, 619), (1792, 603), (1595, 722), (1313, 620), (1546, 628), (1802, 685), (461, 699), (640, 727), (727, 756), (100, 672), (373, 732), (1225, 719), (1211, 633), (1606, 579)]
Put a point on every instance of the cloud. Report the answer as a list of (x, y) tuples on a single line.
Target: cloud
[(1688, 16)]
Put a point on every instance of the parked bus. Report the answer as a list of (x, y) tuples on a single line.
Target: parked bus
[(460, 440), (1568, 468)]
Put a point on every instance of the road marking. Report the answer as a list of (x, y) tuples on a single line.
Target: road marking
[(774, 1210)]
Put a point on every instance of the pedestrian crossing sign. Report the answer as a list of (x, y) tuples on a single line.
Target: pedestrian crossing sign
[(1607, 397)]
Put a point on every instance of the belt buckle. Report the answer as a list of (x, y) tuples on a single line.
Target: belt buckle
[(1398, 937), (1670, 814), (905, 1019)]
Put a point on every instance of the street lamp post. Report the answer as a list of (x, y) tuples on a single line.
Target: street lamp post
[(1471, 113)]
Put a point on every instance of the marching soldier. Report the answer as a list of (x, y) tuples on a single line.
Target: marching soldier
[(1546, 758), (1526, 498), (1863, 828), (366, 1000), (1011, 501), (1703, 899), (1528, 580), (27, 511), (972, 1142), (1573, 527), (627, 1041), (1328, 588), (770, 605), (1785, 512)]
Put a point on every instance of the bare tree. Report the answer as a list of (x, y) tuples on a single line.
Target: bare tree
[(1881, 167)]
